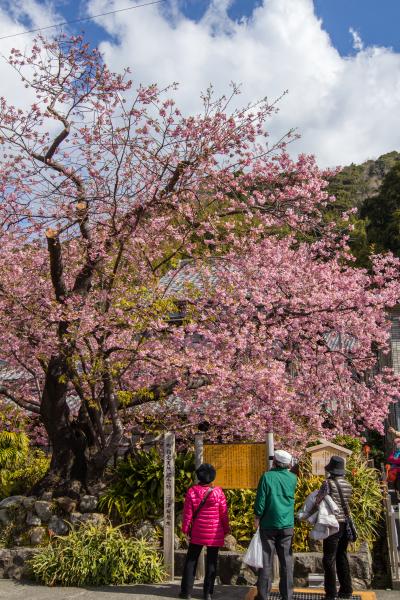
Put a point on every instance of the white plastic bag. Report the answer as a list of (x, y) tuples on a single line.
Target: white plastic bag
[(253, 555)]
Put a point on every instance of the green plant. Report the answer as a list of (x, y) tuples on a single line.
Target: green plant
[(351, 443), (97, 555), (20, 467), (13, 449), (137, 491), (241, 513)]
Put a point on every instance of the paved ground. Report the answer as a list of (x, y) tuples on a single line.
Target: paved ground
[(11, 590)]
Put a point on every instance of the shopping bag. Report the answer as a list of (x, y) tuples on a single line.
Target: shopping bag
[(253, 555)]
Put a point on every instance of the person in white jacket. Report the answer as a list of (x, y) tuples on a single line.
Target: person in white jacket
[(321, 516)]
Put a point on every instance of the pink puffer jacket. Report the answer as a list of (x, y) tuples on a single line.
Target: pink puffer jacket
[(211, 523)]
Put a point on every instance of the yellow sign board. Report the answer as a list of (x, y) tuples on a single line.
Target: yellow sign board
[(238, 466)]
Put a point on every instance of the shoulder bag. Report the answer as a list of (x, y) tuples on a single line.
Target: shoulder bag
[(351, 530), (198, 509)]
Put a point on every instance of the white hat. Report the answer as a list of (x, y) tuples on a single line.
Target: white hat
[(283, 457)]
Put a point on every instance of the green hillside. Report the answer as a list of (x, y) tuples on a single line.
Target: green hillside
[(373, 188)]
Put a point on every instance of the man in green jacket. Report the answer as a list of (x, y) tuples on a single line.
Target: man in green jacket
[(274, 514)]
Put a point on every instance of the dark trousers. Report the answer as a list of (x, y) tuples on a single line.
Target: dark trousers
[(335, 561), (189, 570), (279, 541)]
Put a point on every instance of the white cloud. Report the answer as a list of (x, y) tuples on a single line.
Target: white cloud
[(346, 109), (17, 16), (357, 41)]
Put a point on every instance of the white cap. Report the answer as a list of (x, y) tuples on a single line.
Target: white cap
[(283, 457)]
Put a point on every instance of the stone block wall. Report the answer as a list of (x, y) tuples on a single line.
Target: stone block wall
[(232, 571)]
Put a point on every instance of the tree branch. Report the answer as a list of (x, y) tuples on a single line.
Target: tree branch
[(56, 265), (30, 406)]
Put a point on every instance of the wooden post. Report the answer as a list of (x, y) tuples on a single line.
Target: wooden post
[(198, 449), (198, 459), (169, 503), (270, 449)]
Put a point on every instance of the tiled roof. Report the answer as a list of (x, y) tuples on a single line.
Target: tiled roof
[(189, 276)]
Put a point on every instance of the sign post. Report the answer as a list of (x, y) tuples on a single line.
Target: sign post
[(169, 503), (198, 459), (270, 449)]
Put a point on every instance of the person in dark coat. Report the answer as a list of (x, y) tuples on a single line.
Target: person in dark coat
[(335, 560), (205, 522)]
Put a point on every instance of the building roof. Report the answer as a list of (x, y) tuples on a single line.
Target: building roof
[(327, 444)]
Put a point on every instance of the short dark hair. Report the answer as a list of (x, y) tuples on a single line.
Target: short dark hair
[(206, 473)]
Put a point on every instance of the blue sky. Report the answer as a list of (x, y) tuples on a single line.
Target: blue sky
[(338, 59), (376, 21)]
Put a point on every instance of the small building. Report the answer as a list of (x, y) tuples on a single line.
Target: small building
[(321, 454)]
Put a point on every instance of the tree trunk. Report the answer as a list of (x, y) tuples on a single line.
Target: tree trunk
[(70, 464)]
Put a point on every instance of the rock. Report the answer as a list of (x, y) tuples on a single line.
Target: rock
[(47, 496), (5, 562), (37, 535), (160, 523), (147, 531), (93, 518), (44, 510), (230, 543), (75, 518), (74, 489), (11, 502), (29, 502), (14, 562), (306, 563), (230, 566), (5, 517), (58, 526), (67, 504), (247, 576), (88, 504), (33, 520)]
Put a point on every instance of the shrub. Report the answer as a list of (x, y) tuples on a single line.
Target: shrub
[(241, 513), (137, 491), (20, 467), (97, 555)]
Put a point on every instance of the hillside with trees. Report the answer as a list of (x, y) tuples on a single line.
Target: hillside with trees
[(372, 191)]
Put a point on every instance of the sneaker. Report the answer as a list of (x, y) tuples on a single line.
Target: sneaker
[(208, 597), (184, 596)]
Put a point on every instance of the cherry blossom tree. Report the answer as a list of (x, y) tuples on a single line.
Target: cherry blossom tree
[(103, 191)]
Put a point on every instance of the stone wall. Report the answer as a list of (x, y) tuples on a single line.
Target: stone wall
[(231, 570), (30, 521)]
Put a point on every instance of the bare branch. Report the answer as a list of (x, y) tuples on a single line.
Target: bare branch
[(30, 406)]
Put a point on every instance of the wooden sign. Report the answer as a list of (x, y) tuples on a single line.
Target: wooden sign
[(169, 503), (238, 466), (321, 455)]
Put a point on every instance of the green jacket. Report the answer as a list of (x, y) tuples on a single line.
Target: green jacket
[(274, 503)]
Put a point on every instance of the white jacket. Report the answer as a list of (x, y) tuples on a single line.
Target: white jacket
[(322, 517)]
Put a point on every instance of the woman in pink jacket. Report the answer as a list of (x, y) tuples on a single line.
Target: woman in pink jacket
[(205, 523)]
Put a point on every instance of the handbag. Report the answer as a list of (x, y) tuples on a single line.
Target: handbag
[(253, 555), (200, 506), (351, 531)]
